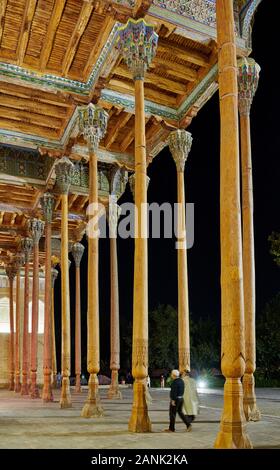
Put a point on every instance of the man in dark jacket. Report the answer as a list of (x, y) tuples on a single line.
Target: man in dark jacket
[(176, 402)]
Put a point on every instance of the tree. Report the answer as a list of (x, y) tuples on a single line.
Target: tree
[(163, 343), (274, 240), (268, 337)]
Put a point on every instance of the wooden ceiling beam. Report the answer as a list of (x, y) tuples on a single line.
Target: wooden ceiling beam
[(84, 17), (129, 137), (31, 105), (122, 120), (30, 7), (28, 128), (178, 70), (154, 95), (3, 5), (51, 32), (72, 199), (184, 53), (101, 40), (31, 118), (157, 80), (13, 218), (57, 98)]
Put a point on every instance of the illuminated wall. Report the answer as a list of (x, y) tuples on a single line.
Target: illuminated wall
[(5, 324)]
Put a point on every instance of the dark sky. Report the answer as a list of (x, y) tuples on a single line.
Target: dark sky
[(202, 189)]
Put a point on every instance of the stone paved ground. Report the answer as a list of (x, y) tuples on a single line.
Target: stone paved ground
[(27, 423)]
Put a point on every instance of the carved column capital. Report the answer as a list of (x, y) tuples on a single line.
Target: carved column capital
[(27, 247), (118, 178), (131, 180), (47, 204), (54, 275), (113, 212), (248, 79), (137, 43), (77, 252), (64, 169), (180, 142), (11, 272), (92, 124), (36, 229)]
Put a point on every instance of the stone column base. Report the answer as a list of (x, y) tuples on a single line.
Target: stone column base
[(78, 384), (139, 420), (24, 385), (12, 383), (47, 394), (17, 386), (65, 397), (232, 433), (92, 408), (251, 411), (114, 391), (34, 391)]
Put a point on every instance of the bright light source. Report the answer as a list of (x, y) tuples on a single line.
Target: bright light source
[(202, 384)]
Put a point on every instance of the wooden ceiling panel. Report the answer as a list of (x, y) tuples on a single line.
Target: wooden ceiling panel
[(63, 34), (14, 13), (86, 44), (39, 30)]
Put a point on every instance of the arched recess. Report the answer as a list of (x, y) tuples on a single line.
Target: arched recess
[(246, 15)]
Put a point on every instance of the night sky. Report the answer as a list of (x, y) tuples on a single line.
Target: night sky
[(202, 189)]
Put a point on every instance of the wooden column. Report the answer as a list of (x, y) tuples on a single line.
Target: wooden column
[(47, 203), (11, 271), (64, 172), (180, 142), (19, 263), (77, 252), (113, 215), (138, 50), (26, 246), (36, 229), (93, 123), (232, 432), (248, 77), (54, 362)]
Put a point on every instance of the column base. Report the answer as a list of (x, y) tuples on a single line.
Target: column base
[(92, 408), (139, 420), (12, 384), (17, 386), (232, 433), (78, 384), (251, 411), (65, 397), (24, 385), (114, 391), (47, 394), (34, 391)]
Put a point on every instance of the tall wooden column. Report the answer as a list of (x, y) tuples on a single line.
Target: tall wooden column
[(93, 123), (112, 216), (36, 229), (26, 246), (54, 362), (137, 42), (64, 172), (180, 142), (248, 77), (47, 203), (11, 273), (19, 264), (232, 432), (77, 252)]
